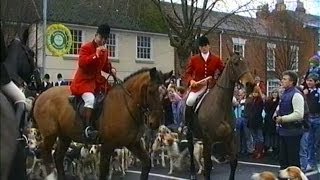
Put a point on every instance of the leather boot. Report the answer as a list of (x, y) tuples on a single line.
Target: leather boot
[(89, 131), (188, 116), (20, 109)]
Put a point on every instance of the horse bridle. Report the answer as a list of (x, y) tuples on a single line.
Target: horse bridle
[(232, 72), (146, 108)]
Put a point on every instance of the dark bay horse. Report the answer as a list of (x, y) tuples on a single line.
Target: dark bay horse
[(214, 121), (127, 109), (21, 67)]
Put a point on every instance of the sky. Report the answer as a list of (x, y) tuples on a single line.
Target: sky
[(311, 6)]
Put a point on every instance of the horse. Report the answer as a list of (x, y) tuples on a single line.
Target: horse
[(127, 108), (214, 120), (22, 68)]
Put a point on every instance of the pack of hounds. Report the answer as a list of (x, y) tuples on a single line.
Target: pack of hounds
[(166, 146)]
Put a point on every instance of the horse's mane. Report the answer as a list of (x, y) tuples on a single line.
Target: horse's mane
[(136, 73)]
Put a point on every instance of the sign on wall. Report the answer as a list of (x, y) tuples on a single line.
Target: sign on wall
[(59, 39)]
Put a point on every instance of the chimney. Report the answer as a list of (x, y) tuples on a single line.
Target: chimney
[(280, 6), (300, 7), (263, 11)]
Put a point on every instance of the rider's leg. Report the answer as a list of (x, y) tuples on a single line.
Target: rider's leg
[(88, 99), (19, 99)]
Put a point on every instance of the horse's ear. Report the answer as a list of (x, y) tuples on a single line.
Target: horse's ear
[(167, 75), (153, 73)]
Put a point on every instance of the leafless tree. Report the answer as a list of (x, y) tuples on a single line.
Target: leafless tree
[(186, 20)]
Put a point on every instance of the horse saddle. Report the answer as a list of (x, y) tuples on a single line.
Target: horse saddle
[(78, 105), (199, 100)]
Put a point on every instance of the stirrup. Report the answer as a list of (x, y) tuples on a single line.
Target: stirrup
[(89, 132)]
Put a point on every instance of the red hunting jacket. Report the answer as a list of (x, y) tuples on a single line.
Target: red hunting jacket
[(198, 69), (88, 77)]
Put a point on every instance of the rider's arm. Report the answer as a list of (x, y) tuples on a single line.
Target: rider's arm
[(86, 56), (189, 72)]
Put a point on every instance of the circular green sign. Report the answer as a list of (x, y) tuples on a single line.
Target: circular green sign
[(59, 39)]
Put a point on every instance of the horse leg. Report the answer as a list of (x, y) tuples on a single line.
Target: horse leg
[(105, 155), (233, 157), (62, 147), (207, 159), (46, 147), (141, 153), (191, 149)]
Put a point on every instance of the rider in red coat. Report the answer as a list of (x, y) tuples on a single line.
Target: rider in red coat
[(93, 58), (200, 67)]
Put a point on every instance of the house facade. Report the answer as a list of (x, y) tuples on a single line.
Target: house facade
[(271, 43), (129, 51)]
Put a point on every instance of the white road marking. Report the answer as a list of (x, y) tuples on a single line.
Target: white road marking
[(274, 166), (158, 175)]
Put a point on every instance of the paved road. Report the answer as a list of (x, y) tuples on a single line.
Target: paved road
[(220, 172), (246, 168)]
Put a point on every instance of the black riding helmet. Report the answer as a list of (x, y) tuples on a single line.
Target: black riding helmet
[(203, 41), (104, 30)]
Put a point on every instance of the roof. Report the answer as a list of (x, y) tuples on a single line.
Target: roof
[(123, 15)]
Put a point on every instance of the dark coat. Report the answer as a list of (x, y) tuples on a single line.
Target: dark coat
[(63, 83), (4, 76), (269, 123), (253, 112)]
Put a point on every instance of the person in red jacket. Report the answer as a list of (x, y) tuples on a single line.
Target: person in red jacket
[(93, 58), (199, 67)]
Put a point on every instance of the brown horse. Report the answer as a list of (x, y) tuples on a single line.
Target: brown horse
[(127, 109), (214, 121)]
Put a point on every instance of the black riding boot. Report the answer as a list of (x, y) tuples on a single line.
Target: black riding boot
[(20, 109), (189, 122), (89, 131)]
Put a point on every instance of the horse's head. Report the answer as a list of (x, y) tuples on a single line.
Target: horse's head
[(152, 103), (239, 71), (144, 87), (21, 64)]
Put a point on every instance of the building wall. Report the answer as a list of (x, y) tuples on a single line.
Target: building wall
[(126, 63)]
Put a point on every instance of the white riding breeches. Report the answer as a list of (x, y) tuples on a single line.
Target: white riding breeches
[(13, 92), (88, 99), (192, 97)]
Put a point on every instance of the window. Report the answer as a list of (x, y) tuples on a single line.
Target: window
[(239, 45), (77, 38), (271, 57), (294, 56), (112, 46), (144, 47), (272, 84)]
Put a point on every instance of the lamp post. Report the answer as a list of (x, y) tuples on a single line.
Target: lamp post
[(44, 29)]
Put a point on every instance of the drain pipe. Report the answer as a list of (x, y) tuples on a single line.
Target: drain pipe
[(220, 44)]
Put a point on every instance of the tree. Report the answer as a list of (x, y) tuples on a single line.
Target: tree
[(16, 15), (186, 21)]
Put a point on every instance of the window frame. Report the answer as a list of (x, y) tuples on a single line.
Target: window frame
[(239, 42), (273, 47), (116, 46), (144, 60), (294, 57), (273, 80), (75, 56)]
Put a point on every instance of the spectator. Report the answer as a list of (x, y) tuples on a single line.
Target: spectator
[(260, 84), (46, 84), (313, 101), (289, 121), (271, 139), (253, 111), (60, 81)]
